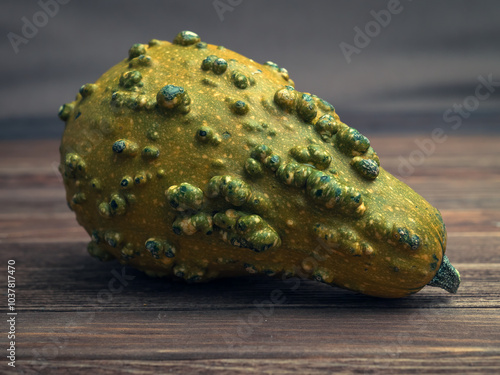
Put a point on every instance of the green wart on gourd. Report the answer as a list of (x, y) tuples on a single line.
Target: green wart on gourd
[(188, 160)]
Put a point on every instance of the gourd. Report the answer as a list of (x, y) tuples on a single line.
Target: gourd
[(187, 160)]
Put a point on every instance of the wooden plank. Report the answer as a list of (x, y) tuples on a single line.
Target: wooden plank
[(458, 362), (426, 339), (319, 332)]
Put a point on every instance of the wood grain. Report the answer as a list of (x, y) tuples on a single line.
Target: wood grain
[(77, 315)]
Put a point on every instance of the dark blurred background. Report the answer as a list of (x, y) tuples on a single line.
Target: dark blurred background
[(380, 63)]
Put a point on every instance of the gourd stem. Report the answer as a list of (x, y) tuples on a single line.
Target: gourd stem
[(447, 277)]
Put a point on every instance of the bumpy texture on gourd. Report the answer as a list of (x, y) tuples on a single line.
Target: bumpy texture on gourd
[(189, 160)]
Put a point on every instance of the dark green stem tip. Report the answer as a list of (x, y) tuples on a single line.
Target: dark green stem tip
[(447, 277)]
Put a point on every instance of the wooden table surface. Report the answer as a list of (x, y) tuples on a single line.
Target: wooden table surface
[(77, 315)]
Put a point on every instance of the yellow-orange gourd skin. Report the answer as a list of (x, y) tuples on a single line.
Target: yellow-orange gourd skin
[(189, 160)]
